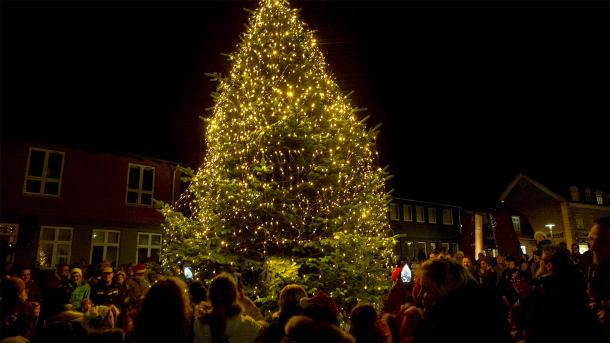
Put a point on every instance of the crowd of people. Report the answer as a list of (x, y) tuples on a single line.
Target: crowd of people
[(552, 297)]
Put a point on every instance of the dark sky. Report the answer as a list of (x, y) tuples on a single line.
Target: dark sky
[(468, 93)]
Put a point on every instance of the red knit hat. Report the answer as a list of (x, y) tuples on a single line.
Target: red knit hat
[(139, 268)]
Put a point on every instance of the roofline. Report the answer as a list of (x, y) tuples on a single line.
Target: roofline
[(428, 202), (533, 182)]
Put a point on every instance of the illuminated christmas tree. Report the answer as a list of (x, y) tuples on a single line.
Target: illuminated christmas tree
[(290, 190)]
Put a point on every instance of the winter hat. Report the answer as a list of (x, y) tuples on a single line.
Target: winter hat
[(139, 268), (107, 270), (321, 299), (76, 270)]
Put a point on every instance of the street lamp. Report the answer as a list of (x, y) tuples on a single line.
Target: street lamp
[(550, 226)]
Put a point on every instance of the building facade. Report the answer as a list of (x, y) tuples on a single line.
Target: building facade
[(422, 227), (64, 204), (564, 215)]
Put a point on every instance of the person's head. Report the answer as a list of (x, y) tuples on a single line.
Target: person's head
[(524, 266), (483, 264), (301, 329), (556, 260), (539, 236), (223, 291), (441, 278), (467, 262), (434, 255), (599, 239), (76, 275), (26, 274), (120, 277), (107, 275), (86, 305), (198, 292), (164, 313), (481, 255), (500, 259), (362, 320), (139, 271), (510, 263), (63, 270), (290, 295), (536, 256), (575, 248), (129, 270)]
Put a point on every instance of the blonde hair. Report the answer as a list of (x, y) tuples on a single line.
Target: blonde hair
[(445, 277)]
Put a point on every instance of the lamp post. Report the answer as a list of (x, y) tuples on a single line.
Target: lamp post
[(550, 226)]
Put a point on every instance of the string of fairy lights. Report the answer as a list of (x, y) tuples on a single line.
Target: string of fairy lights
[(288, 161)]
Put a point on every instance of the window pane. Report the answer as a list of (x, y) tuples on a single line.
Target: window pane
[(154, 255), (36, 163), (54, 166), (142, 239), (147, 180), (142, 252), (98, 237), (32, 186), (63, 250), (111, 254), (45, 255), (97, 255), (156, 240), (146, 199), (132, 197), (47, 234), (134, 178), (65, 235), (51, 188), (113, 237)]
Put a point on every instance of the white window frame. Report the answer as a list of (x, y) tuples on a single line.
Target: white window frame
[(105, 244), (139, 190), (11, 231), (420, 214), (599, 197), (394, 214), (407, 212), (149, 246), (447, 219), (516, 223), (55, 242), (44, 179), (432, 215)]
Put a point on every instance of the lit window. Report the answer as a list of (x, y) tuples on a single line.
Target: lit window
[(580, 224), (140, 182), (8, 239), (419, 214), (54, 246), (43, 174), (149, 247), (583, 247), (432, 216), (105, 246), (599, 197), (407, 212), (447, 217), (516, 223), (524, 249)]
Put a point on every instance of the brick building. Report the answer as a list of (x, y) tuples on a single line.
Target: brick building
[(424, 226), (565, 214), (65, 204)]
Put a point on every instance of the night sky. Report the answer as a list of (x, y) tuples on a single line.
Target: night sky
[(468, 93)]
